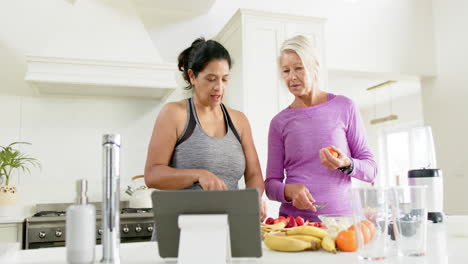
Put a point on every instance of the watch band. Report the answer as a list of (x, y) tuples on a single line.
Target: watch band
[(347, 170)]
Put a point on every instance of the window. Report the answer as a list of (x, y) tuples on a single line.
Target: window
[(404, 149)]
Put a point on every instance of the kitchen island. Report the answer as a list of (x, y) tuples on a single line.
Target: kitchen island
[(444, 247)]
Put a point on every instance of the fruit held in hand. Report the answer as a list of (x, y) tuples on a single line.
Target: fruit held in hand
[(333, 152)]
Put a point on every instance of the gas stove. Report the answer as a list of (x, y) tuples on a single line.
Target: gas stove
[(46, 228)]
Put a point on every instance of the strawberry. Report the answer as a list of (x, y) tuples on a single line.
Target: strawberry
[(281, 219), (299, 220), (291, 223), (317, 224), (269, 220)]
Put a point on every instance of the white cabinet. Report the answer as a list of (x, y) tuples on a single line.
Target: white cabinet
[(253, 39), (10, 232), (85, 77)]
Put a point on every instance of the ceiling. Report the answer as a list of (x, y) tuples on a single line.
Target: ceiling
[(354, 85)]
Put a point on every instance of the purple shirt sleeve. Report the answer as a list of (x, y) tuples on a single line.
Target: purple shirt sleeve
[(274, 186), (294, 141), (365, 168)]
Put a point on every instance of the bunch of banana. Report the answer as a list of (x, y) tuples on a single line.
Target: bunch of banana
[(328, 243), (308, 231), (275, 227), (313, 239), (272, 228), (288, 244), (300, 238)]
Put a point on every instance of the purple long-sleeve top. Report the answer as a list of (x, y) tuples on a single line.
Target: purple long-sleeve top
[(297, 134)]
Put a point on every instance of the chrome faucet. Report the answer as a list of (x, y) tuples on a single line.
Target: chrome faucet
[(110, 203)]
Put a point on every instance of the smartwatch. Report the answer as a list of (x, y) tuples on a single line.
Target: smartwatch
[(347, 170)]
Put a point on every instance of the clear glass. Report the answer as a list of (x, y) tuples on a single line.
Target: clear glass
[(398, 157), (423, 153), (372, 214), (336, 222), (404, 149), (411, 220)]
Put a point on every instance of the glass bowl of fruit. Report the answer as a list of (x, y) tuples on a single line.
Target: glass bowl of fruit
[(335, 223)]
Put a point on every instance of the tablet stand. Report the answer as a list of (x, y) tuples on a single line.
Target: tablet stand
[(204, 239)]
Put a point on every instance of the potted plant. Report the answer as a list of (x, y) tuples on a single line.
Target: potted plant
[(12, 160)]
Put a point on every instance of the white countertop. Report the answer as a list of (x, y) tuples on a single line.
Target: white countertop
[(443, 248)]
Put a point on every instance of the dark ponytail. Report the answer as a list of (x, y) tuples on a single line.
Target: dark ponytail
[(198, 55)]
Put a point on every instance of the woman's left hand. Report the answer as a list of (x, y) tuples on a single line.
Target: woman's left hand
[(263, 210), (332, 162)]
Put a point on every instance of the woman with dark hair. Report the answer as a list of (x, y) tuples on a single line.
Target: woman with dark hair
[(199, 143)]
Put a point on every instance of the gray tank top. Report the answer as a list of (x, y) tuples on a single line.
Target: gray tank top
[(222, 156)]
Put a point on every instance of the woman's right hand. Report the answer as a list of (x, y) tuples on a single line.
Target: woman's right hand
[(300, 196), (209, 181)]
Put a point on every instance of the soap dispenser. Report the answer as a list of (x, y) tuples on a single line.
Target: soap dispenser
[(80, 231)]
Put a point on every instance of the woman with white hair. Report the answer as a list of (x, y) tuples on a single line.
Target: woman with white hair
[(318, 143)]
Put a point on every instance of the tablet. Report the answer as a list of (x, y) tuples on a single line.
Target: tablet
[(241, 206)]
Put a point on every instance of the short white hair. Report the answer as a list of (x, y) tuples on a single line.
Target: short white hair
[(306, 50)]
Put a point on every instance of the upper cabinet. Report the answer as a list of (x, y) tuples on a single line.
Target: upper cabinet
[(100, 49), (253, 39), (84, 77)]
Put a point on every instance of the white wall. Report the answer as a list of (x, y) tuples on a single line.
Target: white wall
[(102, 30), (444, 98), (364, 35), (409, 110), (87, 29), (406, 103), (66, 137), (65, 132)]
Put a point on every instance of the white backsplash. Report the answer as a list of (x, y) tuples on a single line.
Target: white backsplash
[(66, 133)]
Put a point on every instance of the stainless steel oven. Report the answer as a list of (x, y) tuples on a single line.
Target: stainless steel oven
[(46, 228)]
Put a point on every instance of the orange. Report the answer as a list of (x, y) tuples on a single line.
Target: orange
[(332, 152), (346, 241), (369, 225), (365, 232)]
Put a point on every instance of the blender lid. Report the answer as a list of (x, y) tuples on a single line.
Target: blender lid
[(421, 173)]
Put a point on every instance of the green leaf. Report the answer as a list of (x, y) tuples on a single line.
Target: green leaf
[(12, 159)]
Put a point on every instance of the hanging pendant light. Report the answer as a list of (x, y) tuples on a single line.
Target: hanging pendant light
[(385, 118)]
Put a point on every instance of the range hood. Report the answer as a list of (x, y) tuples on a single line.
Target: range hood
[(101, 49)]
